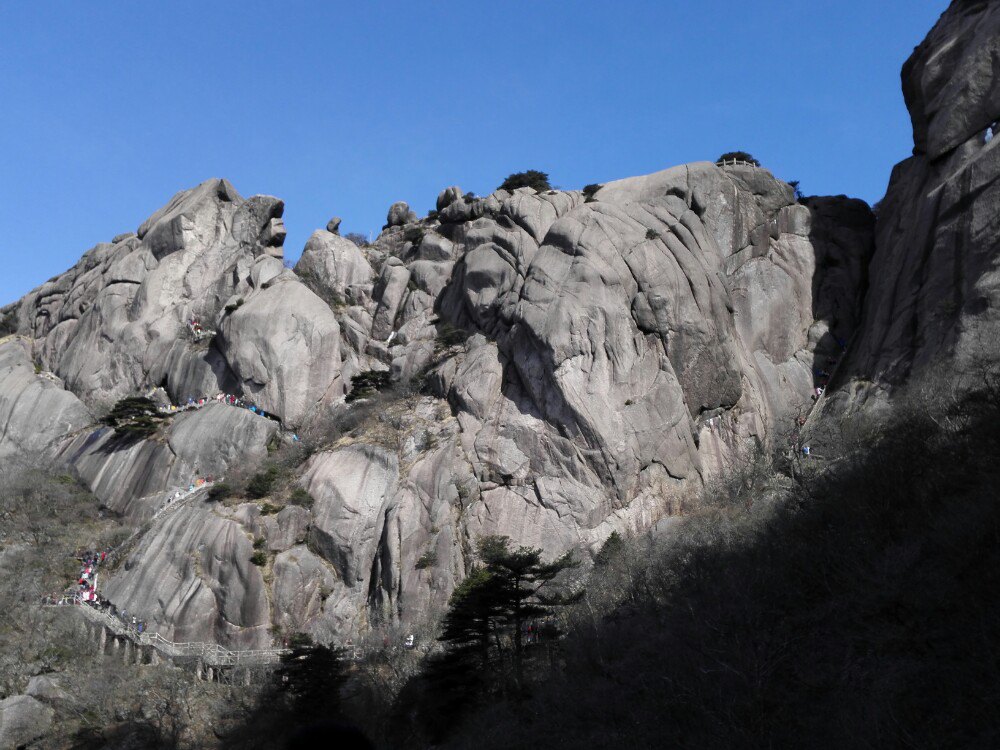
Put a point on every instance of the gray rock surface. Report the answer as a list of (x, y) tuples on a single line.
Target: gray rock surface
[(590, 363), (448, 196), (23, 719), (190, 578), (951, 82), (46, 687), (283, 347), (333, 263), (35, 412), (135, 477), (399, 214), (115, 324)]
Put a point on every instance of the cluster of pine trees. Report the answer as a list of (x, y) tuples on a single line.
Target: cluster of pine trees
[(498, 620)]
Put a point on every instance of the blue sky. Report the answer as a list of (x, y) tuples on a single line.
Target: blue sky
[(342, 108)]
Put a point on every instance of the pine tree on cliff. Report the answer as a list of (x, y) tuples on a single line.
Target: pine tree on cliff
[(517, 577), (304, 693), (483, 634), (310, 677), (488, 612)]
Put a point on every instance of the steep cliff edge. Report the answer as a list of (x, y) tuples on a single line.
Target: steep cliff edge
[(935, 291)]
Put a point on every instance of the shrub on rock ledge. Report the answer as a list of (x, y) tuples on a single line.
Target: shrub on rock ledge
[(8, 325), (262, 483), (532, 178), (367, 383), (449, 336), (135, 416)]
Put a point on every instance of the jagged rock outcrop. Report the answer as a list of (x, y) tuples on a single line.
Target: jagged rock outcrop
[(283, 347), (565, 364), (618, 350), (115, 324), (934, 287)]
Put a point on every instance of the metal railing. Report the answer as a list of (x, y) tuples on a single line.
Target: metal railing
[(735, 163), (211, 654)]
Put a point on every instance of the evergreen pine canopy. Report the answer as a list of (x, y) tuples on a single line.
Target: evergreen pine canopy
[(532, 178)]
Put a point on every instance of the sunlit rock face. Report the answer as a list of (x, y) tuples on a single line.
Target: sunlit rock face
[(116, 323), (583, 364)]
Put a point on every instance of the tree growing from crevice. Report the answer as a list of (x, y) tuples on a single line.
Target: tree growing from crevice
[(8, 324), (134, 417), (368, 383)]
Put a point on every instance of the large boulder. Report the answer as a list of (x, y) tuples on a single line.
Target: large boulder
[(283, 346), (399, 214), (448, 196), (332, 264), (22, 720), (191, 579), (592, 362), (35, 412), (951, 82)]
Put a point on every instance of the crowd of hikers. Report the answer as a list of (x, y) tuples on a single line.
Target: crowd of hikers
[(194, 486), (84, 592), (197, 332), (222, 398)]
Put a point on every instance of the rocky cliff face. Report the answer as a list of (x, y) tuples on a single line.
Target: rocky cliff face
[(586, 362), (577, 363), (115, 324), (935, 290)]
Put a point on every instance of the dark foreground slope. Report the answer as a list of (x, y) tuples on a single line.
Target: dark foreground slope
[(856, 608)]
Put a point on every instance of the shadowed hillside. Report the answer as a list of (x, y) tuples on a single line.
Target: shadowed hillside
[(856, 607)]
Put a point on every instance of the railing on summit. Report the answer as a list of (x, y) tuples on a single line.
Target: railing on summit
[(735, 163)]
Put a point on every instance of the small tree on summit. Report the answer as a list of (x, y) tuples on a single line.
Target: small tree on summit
[(738, 156), (533, 179)]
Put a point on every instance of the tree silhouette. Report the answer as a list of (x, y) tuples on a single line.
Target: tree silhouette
[(531, 178)]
